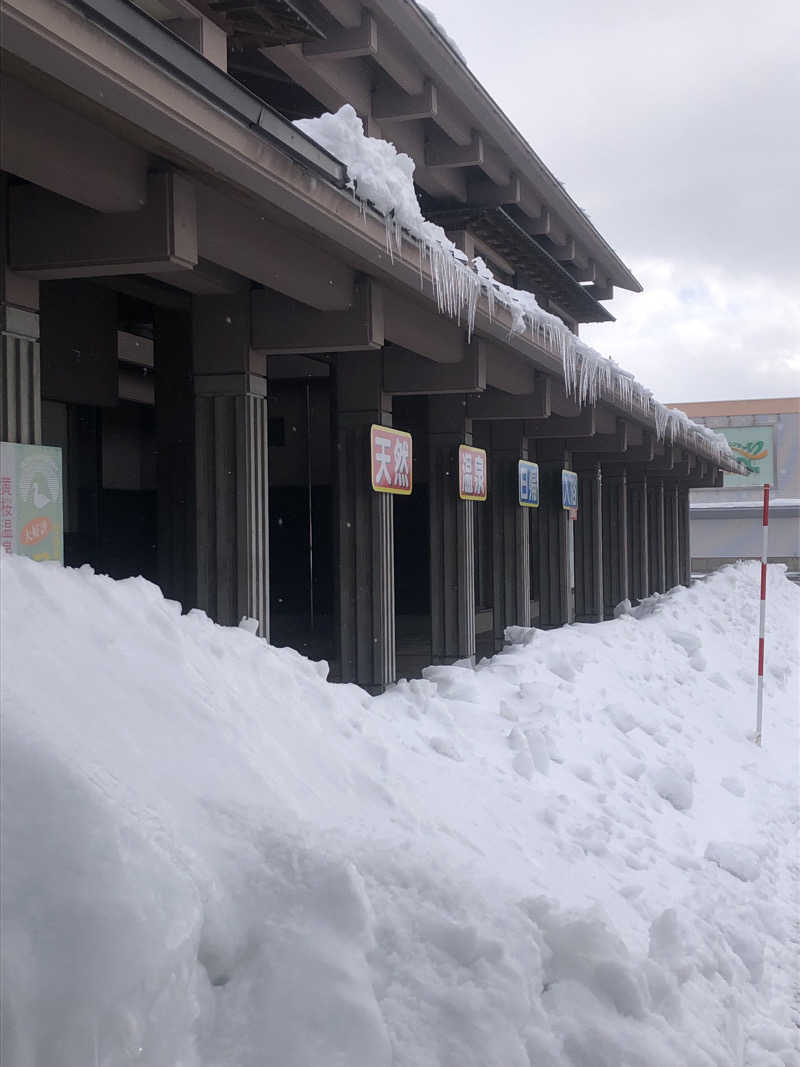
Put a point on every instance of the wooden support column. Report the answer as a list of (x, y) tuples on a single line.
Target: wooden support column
[(511, 550), (638, 542), (671, 534), (231, 481), (655, 530), (550, 539), (615, 541), (452, 533), (174, 408), (589, 546), (685, 575), (364, 542), (20, 367)]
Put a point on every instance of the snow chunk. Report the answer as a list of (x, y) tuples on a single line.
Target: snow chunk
[(673, 786), (738, 860)]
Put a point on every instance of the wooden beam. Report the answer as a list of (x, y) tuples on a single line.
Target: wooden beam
[(643, 453), (407, 374), (494, 405), (394, 105), (281, 326), (252, 244), (442, 152), (411, 325), (206, 279), (606, 443), (50, 237), (510, 371), (583, 425), (488, 194), (346, 43), (566, 252)]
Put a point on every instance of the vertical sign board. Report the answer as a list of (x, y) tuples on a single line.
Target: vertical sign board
[(390, 460), (569, 493), (753, 446), (31, 501), (528, 478), (472, 481)]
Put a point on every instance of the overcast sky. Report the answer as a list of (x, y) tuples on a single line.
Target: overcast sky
[(676, 126)]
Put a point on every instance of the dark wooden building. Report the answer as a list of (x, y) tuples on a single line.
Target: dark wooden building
[(207, 321)]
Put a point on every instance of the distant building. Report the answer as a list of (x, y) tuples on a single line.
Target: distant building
[(726, 522)]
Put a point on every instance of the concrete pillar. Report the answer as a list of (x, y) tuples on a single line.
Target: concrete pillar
[(20, 367), (655, 529), (589, 546), (452, 533), (511, 550), (364, 541), (615, 541), (638, 542), (672, 550), (230, 447), (550, 540), (685, 576)]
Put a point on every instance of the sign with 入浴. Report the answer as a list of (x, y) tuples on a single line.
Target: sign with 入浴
[(528, 481), (753, 446), (31, 501), (391, 460), (569, 490), (472, 480)]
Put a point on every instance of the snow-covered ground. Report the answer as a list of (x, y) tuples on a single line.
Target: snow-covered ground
[(570, 855)]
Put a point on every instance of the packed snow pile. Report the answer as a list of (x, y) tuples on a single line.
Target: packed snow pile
[(383, 177), (571, 855)]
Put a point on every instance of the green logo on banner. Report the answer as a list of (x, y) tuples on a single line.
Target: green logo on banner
[(31, 501)]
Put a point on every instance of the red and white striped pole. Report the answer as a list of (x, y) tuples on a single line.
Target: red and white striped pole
[(762, 613)]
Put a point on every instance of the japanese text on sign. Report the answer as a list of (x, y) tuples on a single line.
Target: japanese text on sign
[(472, 482), (569, 490), (31, 492), (391, 460), (528, 483)]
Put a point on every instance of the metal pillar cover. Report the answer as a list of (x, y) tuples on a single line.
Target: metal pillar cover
[(685, 575), (550, 531), (615, 542), (656, 536), (452, 533), (638, 547), (589, 547), (672, 549), (364, 550), (511, 552), (231, 479)]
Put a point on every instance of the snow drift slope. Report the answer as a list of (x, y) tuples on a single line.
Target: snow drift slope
[(571, 855)]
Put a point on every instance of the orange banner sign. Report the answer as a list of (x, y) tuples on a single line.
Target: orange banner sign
[(391, 460), (472, 473)]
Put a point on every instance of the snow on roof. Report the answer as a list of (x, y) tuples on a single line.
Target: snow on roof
[(383, 177), (429, 15)]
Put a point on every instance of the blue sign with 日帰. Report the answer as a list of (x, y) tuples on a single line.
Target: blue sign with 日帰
[(569, 489), (528, 484)]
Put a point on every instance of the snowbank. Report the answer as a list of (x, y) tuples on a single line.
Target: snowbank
[(383, 177), (570, 855)]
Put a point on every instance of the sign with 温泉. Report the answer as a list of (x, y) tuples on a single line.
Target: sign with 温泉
[(472, 483), (569, 490), (528, 479), (31, 501), (391, 460), (753, 446)]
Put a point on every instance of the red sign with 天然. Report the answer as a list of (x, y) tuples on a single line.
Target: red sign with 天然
[(472, 480), (391, 456)]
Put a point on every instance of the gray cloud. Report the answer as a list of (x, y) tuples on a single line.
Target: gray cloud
[(677, 128)]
